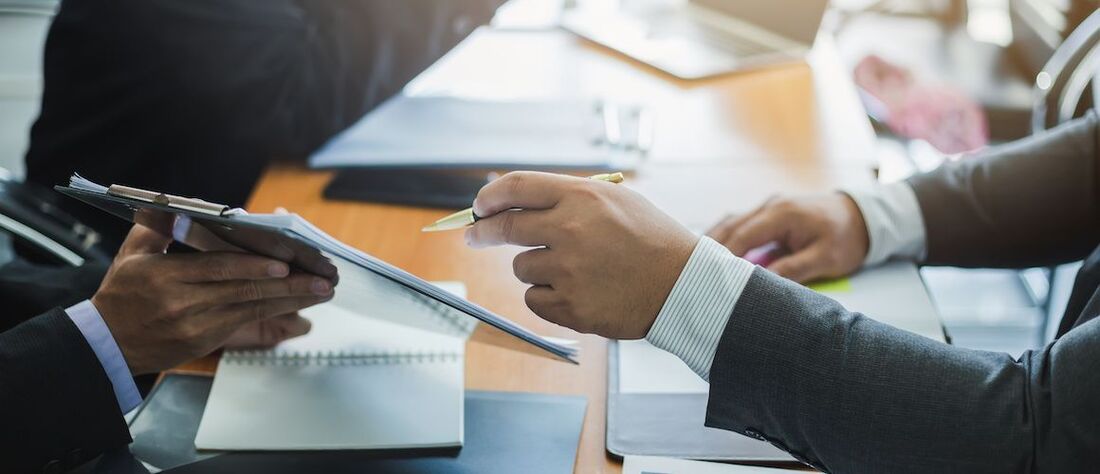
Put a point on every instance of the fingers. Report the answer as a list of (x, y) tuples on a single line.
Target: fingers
[(241, 313), (543, 301), (758, 230), (242, 291), (523, 190), (724, 228), (160, 221), (534, 267), (317, 264), (526, 228), (802, 266), (292, 325), (223, 266), (267, 333), (144, 241)]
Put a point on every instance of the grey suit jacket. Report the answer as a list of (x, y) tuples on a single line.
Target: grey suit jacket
[(845, 393)]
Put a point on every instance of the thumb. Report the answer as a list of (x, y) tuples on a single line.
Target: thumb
[(803, 265), (144, 241)]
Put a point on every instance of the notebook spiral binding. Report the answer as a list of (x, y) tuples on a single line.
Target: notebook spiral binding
[(337, 358)]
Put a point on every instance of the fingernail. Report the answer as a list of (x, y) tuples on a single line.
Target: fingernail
[(320, 286), (476, 207), (278, 270)]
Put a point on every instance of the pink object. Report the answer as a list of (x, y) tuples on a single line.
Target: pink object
[(939, 114), (765, 254)]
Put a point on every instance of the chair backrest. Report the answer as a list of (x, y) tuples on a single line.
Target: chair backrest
[(1069, 77), (40, 232), (23, 27)]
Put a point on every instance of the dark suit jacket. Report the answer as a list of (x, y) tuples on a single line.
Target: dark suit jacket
[(28, 289), (848, 394), (57, 406), (195, 97)]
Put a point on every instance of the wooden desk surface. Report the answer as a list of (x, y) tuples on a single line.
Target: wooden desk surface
[(788, 129)]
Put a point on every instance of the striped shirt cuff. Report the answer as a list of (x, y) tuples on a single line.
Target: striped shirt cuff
[(895, 225), (694, 316)]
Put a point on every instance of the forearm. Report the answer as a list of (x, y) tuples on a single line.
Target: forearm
[(849, 394), (853, 395), (1030, 203), (29, 289), (56, 402)]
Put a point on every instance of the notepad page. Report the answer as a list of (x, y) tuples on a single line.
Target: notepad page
[(352, 383)]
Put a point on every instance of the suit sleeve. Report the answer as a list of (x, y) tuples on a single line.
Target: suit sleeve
[(1029, 203), (845, 393), (28, 289), (57, 406)]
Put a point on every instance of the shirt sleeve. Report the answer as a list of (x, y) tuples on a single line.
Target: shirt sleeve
[(693, 318), (95, 331), (895, 225), (182, 228)]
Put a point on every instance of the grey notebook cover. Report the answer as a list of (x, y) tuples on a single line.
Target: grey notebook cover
[(672, 425), (505, 432)]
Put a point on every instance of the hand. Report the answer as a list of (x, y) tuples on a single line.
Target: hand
[(210, 237), (268, 332), (824, 236), (166, 309), (607, 258)]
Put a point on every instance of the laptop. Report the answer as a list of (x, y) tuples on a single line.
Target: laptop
[(695, 39)]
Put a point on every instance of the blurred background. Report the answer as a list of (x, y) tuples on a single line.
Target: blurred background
[(938, 78)]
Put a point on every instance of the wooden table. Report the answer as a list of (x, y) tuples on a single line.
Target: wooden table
[(722, 145)]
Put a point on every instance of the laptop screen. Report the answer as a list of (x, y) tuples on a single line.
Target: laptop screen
[(794, 19)]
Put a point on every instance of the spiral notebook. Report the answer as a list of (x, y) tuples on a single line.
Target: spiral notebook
[(353, 382)]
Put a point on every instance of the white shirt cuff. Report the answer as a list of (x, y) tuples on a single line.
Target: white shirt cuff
[(895, 225), (90, 323), (182, 228), (693, 318)]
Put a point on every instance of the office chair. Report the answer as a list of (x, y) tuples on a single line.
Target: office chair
[(39, 232), (1065, 88)]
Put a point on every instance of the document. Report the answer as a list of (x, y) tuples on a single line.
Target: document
[(644, 368)]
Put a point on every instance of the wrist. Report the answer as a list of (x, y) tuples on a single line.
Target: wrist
[(679, 258), (106, 314), (859, 234), (892, 220), (691, 322)]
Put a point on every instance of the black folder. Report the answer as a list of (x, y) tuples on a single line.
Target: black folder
[(505, 432)]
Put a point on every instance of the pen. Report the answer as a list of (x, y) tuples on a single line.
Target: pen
[(466, 217)]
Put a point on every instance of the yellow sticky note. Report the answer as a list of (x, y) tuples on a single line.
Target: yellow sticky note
[(839, 285)]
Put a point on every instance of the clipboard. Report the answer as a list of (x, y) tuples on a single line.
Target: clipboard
[(363, 278)]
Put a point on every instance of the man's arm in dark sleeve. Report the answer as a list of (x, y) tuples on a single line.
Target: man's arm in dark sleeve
[(849, 394), (1030, 203), (57, 404), (29, 289)]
